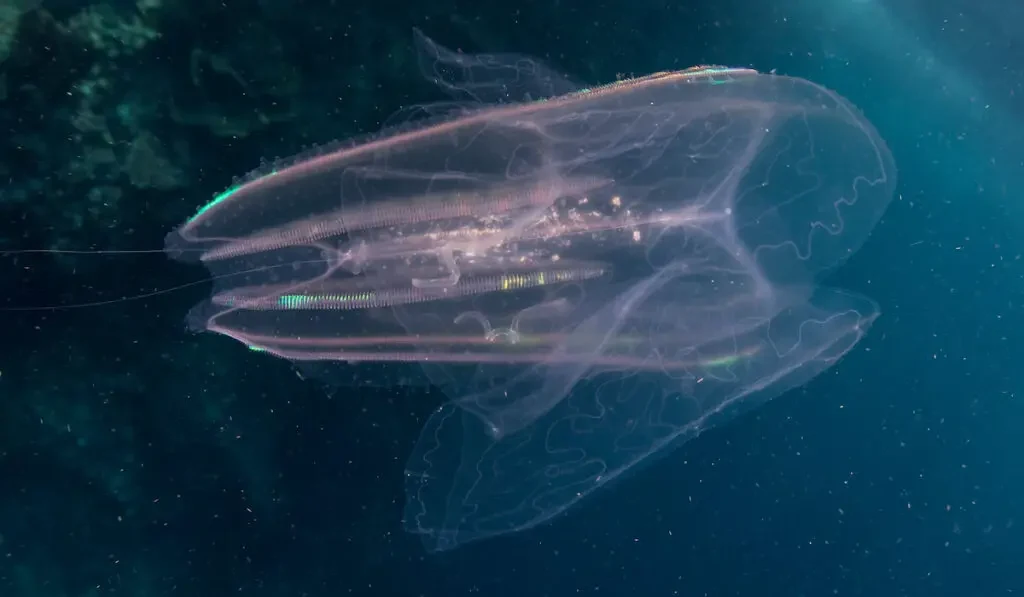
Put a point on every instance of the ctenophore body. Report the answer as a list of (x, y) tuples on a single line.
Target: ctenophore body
[(591, 275)]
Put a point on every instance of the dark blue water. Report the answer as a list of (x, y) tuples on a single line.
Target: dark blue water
[(138, 459)]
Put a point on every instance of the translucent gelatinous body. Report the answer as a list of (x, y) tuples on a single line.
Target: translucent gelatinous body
[(591, 277)]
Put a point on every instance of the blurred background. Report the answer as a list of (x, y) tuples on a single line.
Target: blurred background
[(139, 460)]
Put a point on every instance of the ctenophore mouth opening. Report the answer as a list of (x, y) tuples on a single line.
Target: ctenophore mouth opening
[(178, 248)]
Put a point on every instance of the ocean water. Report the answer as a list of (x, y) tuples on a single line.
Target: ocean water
[(138, 458)]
